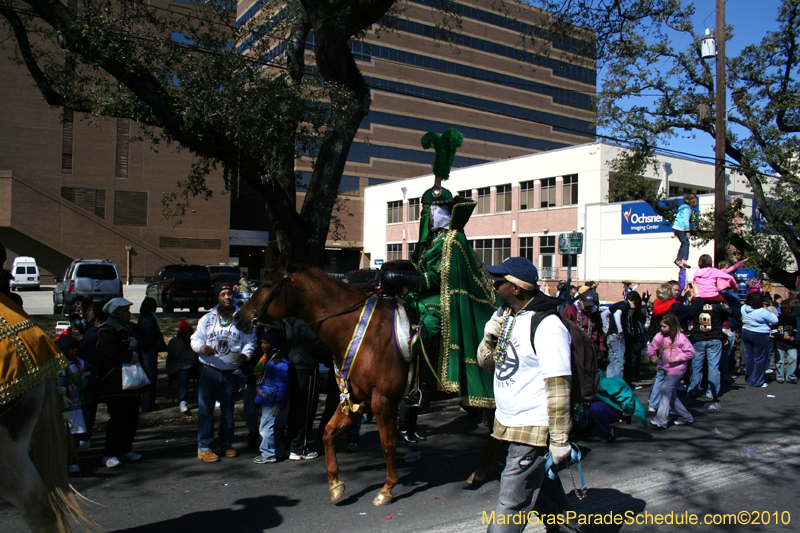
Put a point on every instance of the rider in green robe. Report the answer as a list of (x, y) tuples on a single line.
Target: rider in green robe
[(455, 298)]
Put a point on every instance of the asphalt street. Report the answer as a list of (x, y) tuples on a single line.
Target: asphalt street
[(693, 469)]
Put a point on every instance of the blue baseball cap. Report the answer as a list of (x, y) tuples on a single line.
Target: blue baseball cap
[(518, 270)]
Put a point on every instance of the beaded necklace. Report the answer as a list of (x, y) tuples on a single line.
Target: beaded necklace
[(505, 336), (226, 323)]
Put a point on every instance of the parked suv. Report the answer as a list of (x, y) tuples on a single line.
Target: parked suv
[(94, 279), (24, 274), (181, 286)]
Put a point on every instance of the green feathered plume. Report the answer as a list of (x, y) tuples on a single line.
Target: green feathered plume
[(445, 146)]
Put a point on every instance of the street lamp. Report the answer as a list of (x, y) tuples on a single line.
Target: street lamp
[(709, 45)]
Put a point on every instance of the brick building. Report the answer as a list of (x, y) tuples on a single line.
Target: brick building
[(525, 202), (506, 102), (72, 187)]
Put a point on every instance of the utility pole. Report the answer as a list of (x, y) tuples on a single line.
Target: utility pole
[(720, 223)]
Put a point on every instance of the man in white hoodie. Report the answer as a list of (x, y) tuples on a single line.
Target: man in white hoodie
[(222, 348)]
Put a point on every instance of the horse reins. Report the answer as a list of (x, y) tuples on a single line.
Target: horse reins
[(287, 277)]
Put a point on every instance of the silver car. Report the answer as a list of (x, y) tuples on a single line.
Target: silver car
[(92, 279)]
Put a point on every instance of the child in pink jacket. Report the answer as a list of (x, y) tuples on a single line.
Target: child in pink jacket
[(709, 280), (674, 350)]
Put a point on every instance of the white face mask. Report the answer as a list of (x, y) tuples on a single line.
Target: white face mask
[(441, 217)]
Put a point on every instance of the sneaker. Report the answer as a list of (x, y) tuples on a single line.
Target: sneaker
[(84, 445), (73, 469), (780, 381), (679, 263), (111, 462), (229, 451), (295, 457), (764, 385), (652, 410), (208, 456), (184, 407), (769, 371), (656, 426), (352, 447), (684, 422), (686, 264), (261, 459), (311, 455), (130, 456), (608, 439)]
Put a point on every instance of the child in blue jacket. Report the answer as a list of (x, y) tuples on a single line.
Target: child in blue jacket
[(272, 393), (682, 228)]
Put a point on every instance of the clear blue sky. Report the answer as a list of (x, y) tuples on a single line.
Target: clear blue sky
[(751, 20)]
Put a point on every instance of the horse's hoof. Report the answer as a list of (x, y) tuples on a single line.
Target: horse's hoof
[(382, 499), (476, 479), (336, 491)]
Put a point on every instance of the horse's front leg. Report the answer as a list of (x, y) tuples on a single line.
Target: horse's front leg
[(386, 418), (335, 425), (479, 476)]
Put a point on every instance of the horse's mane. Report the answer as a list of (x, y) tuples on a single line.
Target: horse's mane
[(318, 273)]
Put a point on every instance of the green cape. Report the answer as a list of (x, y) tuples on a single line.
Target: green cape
[(455, 299)]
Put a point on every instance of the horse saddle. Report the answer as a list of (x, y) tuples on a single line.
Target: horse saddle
[(398, 278)]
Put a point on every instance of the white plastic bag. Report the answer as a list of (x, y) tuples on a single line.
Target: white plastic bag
[(133, 376)]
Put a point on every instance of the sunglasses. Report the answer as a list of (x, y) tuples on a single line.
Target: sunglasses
[(499, 283)]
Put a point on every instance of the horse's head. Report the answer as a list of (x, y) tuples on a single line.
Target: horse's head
[(269, 303)]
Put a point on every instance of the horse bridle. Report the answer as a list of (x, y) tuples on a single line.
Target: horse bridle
[(287, 277), (276, 290)]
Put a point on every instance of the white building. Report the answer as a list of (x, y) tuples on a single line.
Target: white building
[(525, 202)]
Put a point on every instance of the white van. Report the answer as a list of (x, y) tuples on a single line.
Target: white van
[(24, 274)]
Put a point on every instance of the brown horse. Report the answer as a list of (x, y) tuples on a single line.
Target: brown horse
[(378, 376)]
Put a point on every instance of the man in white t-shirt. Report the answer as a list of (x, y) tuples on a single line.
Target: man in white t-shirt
[(532, 391)]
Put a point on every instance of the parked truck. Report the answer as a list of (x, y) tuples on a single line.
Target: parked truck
[(181, 287)]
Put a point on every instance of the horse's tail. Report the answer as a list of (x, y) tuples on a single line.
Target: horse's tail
[(49, 453)]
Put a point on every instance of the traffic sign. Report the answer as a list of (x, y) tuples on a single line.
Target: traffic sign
[(570, 243), (377, 262)]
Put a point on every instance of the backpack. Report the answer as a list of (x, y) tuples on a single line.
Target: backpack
[(583, 358)]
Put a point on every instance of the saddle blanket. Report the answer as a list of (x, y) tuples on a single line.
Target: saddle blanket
[(27, 355)]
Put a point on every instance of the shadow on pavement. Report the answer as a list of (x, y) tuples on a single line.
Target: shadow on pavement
[(256, 514)]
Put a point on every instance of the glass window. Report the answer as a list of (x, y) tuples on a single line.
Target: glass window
[(484, 198), (31, 270), (565, 263), (411, 247), (548, 192), (526, 248), (349, 186), (394, 252), (413, 209), (570, 190), (20, 270), (104, 272), (394, 212), (492, 251), (526, 195), (547, 244), (466, 194), (674, 191), (503, 200)]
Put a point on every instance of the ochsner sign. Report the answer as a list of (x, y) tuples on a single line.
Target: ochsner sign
[(640, 218)]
